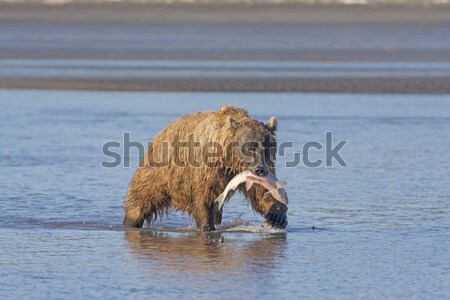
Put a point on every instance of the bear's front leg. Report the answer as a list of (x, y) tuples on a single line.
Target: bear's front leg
[(273, 211), (204, 217), (217, 214), (276, 216)]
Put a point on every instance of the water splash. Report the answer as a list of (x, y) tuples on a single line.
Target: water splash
[(241, 224)]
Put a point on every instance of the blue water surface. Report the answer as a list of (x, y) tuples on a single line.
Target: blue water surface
[(382, 224)]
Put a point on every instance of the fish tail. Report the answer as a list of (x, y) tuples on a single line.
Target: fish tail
[(220, 200)]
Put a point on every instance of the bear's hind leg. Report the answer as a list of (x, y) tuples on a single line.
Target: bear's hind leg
[(204, 217)]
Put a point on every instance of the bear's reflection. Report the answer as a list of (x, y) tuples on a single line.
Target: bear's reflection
[(205, 252)]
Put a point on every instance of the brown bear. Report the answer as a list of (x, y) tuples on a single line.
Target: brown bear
[(190, 162)]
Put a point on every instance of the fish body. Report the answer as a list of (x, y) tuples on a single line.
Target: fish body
[(270, 182), (274, 186)]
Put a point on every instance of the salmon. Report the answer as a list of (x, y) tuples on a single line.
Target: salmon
[(274, 186)]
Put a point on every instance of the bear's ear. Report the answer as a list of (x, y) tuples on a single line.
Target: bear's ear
[(235, 124), (272, 124)]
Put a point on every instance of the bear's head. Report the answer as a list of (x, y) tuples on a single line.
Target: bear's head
[(252, 145)]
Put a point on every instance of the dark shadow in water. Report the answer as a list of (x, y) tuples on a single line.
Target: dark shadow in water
[(206, 252)]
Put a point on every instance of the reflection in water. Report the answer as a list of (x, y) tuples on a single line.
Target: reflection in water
[(206, 252)]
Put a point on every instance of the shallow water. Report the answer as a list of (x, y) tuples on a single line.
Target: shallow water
[(382, 224)]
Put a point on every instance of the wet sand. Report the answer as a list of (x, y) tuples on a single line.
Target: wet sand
[(227, 32), (122, 12), (346, 85)]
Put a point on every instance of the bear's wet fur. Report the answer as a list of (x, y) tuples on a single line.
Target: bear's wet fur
[(193, 187)]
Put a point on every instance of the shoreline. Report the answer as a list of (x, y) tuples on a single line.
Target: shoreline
[(440, 85)]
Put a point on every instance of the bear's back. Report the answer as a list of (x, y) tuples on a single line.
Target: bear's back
[(205, 125)]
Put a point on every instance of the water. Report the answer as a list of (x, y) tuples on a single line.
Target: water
[(382, 223)]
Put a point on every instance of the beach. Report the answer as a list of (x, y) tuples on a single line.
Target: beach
[(227, 47)]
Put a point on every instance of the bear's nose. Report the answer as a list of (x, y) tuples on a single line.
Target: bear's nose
[(260, 171)]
